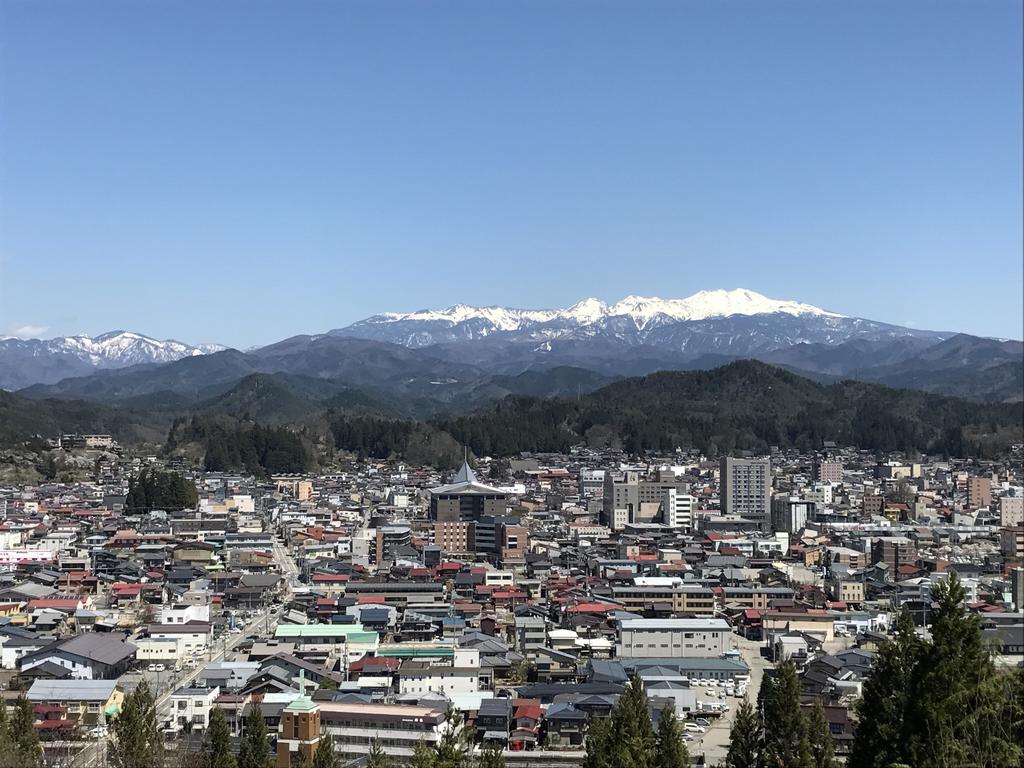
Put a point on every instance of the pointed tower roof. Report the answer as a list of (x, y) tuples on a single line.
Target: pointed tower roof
[(466, 482), (465, 474), (302, 702)]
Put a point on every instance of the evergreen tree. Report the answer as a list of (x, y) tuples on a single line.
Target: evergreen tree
[(957, 706), (254, 748), (881, 711), (785, 732), (5, 731), (493, 756), (633, 742), (23, 740), (217, 742), (377, 758), (423, 755), (137, 742), (598, 743), (744, 739), (627, 738), (819, 738), (326, 757), (451, 748), (671, 750)]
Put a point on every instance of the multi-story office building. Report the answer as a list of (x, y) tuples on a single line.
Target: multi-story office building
[(746, 486), (828, 471), (894, 551), (591, 483), (979, 492), (1011, 511), (790, 513), (1012, 542), (466, 499), (390, 538), (630, 497), (454, 537)]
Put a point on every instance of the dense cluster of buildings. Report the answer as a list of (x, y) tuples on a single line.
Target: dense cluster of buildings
[(367, 602)]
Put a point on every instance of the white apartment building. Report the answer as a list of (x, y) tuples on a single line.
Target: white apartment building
[(191, 705)]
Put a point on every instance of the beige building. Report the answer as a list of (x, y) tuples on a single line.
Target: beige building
[(979, 492), (1011, 511), (1012, 542), (666, 591)]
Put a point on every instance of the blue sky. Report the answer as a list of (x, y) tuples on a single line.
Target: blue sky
[(242, 172)]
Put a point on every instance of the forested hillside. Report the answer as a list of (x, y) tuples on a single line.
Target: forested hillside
[(741, 406)]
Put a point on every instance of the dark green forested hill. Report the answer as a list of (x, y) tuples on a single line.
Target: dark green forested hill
[(281, 422), (743, 405), (229, 444), (22, 419)]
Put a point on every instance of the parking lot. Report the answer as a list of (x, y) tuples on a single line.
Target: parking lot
[(713, 744)]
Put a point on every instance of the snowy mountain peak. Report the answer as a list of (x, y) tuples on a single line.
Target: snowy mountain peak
[(699, 306), (718, 303), (638, 316)]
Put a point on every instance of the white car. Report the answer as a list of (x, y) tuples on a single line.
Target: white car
[(692, 728)]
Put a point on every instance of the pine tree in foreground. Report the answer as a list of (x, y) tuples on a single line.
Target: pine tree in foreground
[(626, 739), (376, 758), (940, 703), (784, 726), (632, 740), (326, 757), (217, 742), (423, 755), (671, 749), (598, 743), (881, 711), (819, 739), (744, 739), (254, 748), (137, 742), (492, 756), (957, 705), (21, 748)]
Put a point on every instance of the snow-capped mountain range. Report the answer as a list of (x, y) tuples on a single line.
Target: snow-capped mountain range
[(30, 361), (642, 310), (465, 354), (737, 320)]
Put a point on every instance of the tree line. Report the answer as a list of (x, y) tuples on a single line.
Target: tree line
[(237, 446), (742, 406), (151, 490), (935, 703)]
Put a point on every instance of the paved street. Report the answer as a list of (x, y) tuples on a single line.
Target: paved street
[(715, 743), (165, 683)]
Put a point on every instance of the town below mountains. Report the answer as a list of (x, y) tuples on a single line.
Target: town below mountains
[(726, 370)]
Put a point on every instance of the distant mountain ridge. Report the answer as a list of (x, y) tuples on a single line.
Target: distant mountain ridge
[(46, 361), (432, 361), (707, 321)]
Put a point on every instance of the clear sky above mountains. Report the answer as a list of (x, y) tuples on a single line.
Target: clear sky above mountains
[(240, 172)]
